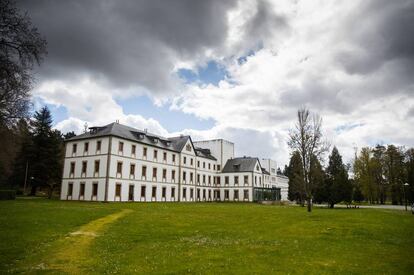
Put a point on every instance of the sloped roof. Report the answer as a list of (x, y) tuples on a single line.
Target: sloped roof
[(205, 153), (244, 164)]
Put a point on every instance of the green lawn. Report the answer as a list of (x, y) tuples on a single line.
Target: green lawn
[(201, 238)]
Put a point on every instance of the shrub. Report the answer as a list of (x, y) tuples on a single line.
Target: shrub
[(7, 194)]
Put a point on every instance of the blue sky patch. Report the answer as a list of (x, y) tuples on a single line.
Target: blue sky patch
[(212, 73)]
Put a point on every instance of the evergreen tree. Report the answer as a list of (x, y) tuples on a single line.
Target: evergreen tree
[(318, 178), (394, 172), (377, 163), (409, 170), (294, 171)]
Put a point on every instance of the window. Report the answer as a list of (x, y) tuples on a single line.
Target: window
[(131, 193), (209, 194), (132, 170), (86, 148), (198, 163), (172, 192), (191, 161), (218, 167), (209, 180), (98, 145), (164, 156), (204, 179), (70, 189), (204, 164), (218, 180), (188, 147), (144, 152), (72, 168), (96, 169), (191, 176), (246, 180), (154, 173), (185, 193), (173, 157), (184, 176), (184, 160), (236, 194), (198, 178), (155, 154), (74, 147), (164, 174), (257, 168), (226, 180), (154, 192), (260, 181), (173, 174), (133, 149), (118, 190), (226, 194), (143, 190), (198, 194), (144, 171), (119, 168), (94, 189), (164, 192), (209, 167), (121, 146), (191, 193), (204, 194), (82, 190), (255, 180), (236, 180), (214, 167), (246, 194), (84, 167)]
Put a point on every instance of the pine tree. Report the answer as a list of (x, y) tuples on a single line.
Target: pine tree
[(294, 172)]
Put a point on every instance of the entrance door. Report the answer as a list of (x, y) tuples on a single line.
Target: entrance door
[(131, 193)]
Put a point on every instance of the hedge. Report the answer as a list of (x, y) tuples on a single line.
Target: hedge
[(7, 194)]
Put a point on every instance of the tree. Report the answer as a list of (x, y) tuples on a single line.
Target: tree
[(306, 138), (318, 178), (21, 47), (337, 182), (394, 172), (363, 171), (69, 135), (409, 170), (377, 165), (295, 174)]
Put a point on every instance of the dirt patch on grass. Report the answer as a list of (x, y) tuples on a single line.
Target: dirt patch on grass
[(71, 254)]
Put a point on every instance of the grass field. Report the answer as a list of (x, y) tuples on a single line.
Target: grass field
[(75, 237)]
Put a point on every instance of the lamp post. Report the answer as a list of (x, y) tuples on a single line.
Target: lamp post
[(405, 198)]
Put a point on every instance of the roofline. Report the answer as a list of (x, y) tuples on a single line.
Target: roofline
[(217, 139)]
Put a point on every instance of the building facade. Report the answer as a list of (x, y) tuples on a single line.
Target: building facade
[(119, 163)]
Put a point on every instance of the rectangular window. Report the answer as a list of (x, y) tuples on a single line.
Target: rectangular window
[(143, 190), (94, 189), (164, 174), (154, 173), (74, 148), (246, 194), (236, 180), (209, 167), (191, 162), (198, 164), (226, 180), (155, 154), (226, 194), (172, 192), (86, 148), (164, 156), (132, 170), (218, 180), (204, 179), (144, 152), (198, 194), (204, 194), (70, 189), (82, 190), (173, 157), (131, 193), (84, 167), (119, 168), (173, 174), (185, 193), (209, 194), (133, 149), (214, 167), (154, 192), (198, 178), (236, 194), (98, 145), (72, 168), (218, 167), (164, 192), (246, 180), (204, 164), (191, 193), (118, 190), (144, 171), (209, 180), (191, 177), (184, 160), (96, 169), (184, 176), (120, 146)]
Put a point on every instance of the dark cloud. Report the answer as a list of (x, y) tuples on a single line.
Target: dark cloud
[(127, 43)]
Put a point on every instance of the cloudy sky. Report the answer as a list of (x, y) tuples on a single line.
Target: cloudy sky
[(237, 70)]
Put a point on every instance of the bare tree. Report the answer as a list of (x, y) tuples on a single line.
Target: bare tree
[(21, 47), (306, 138)]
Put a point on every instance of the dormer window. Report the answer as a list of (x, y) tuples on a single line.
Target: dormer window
[(188, 147)]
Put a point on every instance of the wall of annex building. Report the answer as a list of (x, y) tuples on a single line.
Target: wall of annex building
[(222, 150), (283, 184)]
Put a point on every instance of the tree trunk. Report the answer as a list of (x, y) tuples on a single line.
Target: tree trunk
[(331, 205), (309, 202), (33, 191), (49, 195)]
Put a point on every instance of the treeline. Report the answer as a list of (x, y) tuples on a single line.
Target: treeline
[(32, 157), (379, 175)]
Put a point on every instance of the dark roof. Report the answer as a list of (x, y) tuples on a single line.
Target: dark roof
[(264, 171), (244, 164), (126, 132), (122, 131)]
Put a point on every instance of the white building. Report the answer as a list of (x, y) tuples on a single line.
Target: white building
[(119, 163)]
